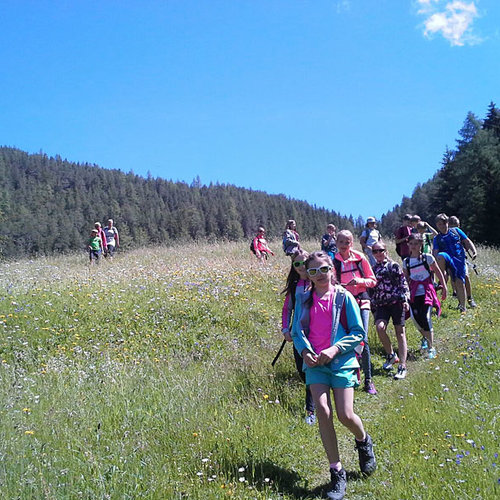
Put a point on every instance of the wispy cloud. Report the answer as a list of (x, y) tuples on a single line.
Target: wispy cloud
[(451, 19)]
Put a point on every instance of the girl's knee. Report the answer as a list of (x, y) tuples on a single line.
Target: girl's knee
[(346, 417)]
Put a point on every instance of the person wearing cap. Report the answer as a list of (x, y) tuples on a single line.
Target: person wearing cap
[(100, 233), (402, 234), (368, 238), (112, 240), (94, 246)]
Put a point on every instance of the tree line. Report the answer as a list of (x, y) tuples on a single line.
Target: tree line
[(467, 184), (49, 205)]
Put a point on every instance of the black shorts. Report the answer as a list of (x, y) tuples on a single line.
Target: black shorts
[(394, 311)]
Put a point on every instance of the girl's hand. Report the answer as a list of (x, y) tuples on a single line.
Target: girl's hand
[(288, 337), (443, 293), (406, 306), (310, 359), (327, 355)]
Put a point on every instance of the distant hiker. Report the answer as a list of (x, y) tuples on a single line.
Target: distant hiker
[(455, 222), (329, 241), (417, 268), (331, 329), (112, 239), (428, 233), (355, 274), (390, 299), (369, 236), (449, 249), (100, 233), (94, 246), (297, 287), (290, 238), (402, 234), (415, 219), (260, 246)]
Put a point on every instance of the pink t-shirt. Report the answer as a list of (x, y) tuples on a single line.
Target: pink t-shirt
[(320, 326)]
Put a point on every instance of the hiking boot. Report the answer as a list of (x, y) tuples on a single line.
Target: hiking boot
[(391, 359), (367, 462), (432, 353), (472, 302), (401, 374), (462, 309), (370, 387), (424, 345), (336, 490), (310, 418)]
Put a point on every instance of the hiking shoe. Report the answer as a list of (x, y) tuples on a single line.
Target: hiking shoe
[(370, 387), (472, 302), (432, 353), (424, 345), (401, 374), (336, 490), (390, 360), (462, 309), (310, 418), (367, 462)]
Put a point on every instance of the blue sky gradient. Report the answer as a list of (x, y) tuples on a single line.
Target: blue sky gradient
[(344, 104)]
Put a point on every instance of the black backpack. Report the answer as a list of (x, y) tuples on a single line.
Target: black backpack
[(252, 246)]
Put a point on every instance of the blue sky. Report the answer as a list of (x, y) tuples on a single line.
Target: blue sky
[(344, 104)]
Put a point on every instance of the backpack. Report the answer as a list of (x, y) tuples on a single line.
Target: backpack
[(342, 319), (338, 268), (290, 242), (424, 262), (338, 271), (252, 246)]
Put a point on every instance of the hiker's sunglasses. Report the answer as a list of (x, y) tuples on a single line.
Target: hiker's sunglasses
[(378, 250), (299, 263), (313, 271)]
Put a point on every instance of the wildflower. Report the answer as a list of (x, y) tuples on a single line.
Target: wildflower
[(29, 433)]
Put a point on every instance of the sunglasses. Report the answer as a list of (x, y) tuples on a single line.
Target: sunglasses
[(298, 263), (313, 271), (378, 250)]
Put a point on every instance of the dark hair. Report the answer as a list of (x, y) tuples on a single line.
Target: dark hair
[(320, 255), (293, 276), (416, 236)]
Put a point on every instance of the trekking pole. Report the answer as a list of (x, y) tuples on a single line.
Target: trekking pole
[(474, 266), (278, 354)]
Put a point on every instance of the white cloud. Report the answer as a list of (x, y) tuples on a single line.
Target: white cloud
[(451, 19)]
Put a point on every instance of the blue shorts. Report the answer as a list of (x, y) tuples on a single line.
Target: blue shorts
[(456, 267), (341, 379)]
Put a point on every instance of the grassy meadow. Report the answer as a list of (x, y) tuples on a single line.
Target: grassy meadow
[(150, 377)]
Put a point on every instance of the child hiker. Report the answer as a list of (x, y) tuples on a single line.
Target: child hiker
[(330, 330), (297, 287), (355, 274), (390, 299), (94, 246), (417, 269)]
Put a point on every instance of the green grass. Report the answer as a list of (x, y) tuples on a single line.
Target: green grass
[(150, 377)]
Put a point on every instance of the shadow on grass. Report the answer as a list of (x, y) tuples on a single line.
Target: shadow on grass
[(268, 475)]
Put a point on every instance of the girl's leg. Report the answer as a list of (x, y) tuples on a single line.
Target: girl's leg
[(298, 364), (381, 327), (323, 403), (366, 361), (460, 288), (344, 405), (402, 346)]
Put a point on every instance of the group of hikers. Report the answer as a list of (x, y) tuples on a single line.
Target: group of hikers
[(328, 298), (102, 241)]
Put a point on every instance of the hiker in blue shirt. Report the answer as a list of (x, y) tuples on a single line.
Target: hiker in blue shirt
[(449, 249)]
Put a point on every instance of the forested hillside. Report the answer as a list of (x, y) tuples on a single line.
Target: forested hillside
[(50, 205), (467, 185)]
